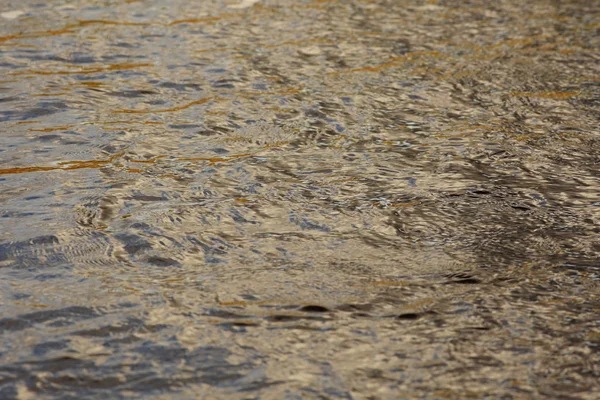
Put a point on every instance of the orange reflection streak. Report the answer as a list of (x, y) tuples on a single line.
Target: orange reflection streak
[(65, 166), (162, 110), (73, 165), (50, 94), (22, 170), (83, 23), (214, 160), (92, 83), (69, 28), (198, 20), (32, 35), (392, 62), (55, 128), (9, 37), (83, 71), (546, 95), (148, 161), (171, 176), (106, 22)]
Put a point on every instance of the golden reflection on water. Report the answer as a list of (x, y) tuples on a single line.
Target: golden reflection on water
[(299, 199), (82, 71)]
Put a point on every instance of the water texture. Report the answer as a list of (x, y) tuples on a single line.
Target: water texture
[(278, 199)]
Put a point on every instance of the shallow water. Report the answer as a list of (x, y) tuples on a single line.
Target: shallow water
[(299, 199)]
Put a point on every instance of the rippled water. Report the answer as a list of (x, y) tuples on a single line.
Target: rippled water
[(299, 199)]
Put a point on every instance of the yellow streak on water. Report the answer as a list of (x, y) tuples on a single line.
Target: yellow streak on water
[(65, 166), (214, 160), (200, 20), (52, 129), (69, 28), (92, 83), (546, 95), (172, 109), (32, 35), (83, 71), (74, 165), (106, 22), (148, 161), (208, 99)]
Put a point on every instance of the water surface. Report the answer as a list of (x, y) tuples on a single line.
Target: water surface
[(299, 199)]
